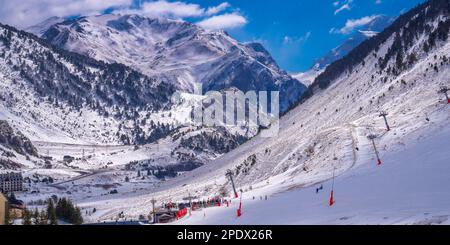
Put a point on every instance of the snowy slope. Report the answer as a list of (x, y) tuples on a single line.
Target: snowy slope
[(328, 133), (42, 27), (409, 188), (309, 76)]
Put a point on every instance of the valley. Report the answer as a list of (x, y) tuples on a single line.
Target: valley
[(367, 126)]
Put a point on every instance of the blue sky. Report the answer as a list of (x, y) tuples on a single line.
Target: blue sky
[(296, 32)]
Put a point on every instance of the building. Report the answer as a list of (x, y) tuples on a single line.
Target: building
[(165, 217), (11, 182), (16, 207), (68, 159), (3, 209)]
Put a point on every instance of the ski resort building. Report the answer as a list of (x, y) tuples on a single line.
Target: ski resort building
[(15, 207), (3, 208), (11, 182), (164, 217)]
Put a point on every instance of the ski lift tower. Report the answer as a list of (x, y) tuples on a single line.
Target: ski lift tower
[(384, 115), (229, 174), (444, 90), (190, 204), (372, 138)]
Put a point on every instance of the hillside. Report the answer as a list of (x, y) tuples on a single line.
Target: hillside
[(63, 92), (328, 134), (54, 96)]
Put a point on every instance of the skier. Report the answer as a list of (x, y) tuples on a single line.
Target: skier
[(319, 189)]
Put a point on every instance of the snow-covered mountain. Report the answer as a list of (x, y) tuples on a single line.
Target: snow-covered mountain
[(175, 51), (310, 75), (57, 97), (37, 75), (42, 27), (398, 71), (375, 26)]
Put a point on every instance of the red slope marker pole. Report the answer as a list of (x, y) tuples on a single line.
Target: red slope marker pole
[(239, 211), (332, 201)]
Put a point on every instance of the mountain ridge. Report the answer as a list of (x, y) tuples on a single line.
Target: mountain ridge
[(176, 51)]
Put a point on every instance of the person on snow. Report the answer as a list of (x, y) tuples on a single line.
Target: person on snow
[(319, 189)]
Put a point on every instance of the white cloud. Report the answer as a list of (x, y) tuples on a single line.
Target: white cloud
[(167, 9), (224, 21), (287, 40), (174, 10), (352, 24), (217, 9), (24, 13), (345, 6), (336, 3), (378, 2)]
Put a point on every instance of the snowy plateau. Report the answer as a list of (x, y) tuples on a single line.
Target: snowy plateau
[(98, 89)]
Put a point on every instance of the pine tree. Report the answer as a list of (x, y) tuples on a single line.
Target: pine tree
[(36, 216), (51, 212), (13, 217), (77, 219), (65, 210), (43, 220), (26, 217)]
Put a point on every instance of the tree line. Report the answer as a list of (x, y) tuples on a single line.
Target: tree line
[(64, 210)]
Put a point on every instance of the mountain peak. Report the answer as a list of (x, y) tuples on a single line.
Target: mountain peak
[(176, 51), (371, 29), (42, 27)]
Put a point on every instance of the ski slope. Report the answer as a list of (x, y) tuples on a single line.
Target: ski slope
[(410, 187), (326, 134)]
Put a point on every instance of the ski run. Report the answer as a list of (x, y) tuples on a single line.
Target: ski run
[(369, 143)]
